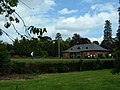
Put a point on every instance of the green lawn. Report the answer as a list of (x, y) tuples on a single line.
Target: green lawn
[(50, 60), (43, 60), (87, 80)]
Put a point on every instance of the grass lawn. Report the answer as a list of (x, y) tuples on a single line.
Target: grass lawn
[(43, 60), (87, 80), (50, 60)]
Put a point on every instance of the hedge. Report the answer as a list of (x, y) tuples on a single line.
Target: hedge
[(60, 67)]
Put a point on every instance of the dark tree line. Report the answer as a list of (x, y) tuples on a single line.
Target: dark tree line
[(45, 46)]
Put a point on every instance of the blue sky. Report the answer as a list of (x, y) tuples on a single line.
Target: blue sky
[(85, 17)]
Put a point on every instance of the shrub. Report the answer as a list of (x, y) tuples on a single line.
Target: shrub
[(5, 65), (98, 64), (60, 67), (63, 68), (116, 62)]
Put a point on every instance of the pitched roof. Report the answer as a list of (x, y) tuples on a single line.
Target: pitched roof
[(85, 47)]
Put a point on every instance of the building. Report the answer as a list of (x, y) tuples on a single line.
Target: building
[(85, 51)]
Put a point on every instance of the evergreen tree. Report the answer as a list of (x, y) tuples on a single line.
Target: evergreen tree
[(108, 31), (117, 51), (107, 41)]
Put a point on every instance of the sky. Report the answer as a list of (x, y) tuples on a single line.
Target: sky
[(84, 17)]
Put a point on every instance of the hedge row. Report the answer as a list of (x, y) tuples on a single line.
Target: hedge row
[(59, 67)]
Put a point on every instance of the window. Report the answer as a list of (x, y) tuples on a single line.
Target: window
[(78, 48), (86, 47)]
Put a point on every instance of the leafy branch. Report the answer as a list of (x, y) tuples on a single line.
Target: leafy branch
[(10, 15)]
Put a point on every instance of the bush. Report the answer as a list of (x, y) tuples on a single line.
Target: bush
[(60, 67), (5, 65), (116, 62), (63, 68), (98, 64)]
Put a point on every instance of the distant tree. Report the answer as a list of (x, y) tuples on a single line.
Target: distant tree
[(108, 31), (76, 39), (107, 41), (22, 47), (84, 41), (67, 43), (96, 42), (58, 38)]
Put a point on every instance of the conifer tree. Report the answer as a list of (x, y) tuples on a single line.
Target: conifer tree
[(117, 51), (107, 41), (108, 31)]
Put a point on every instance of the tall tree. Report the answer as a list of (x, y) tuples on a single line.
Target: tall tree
[(108, 31), (107, 41), (58, 38), (117, 51)]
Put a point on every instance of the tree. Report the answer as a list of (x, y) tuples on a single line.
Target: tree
[(37, 31), (96, 42), (6, 9), (4, 59), (107, 41), (76, 39), (108, 31), (117, 50), (58, 38), (11, 16)]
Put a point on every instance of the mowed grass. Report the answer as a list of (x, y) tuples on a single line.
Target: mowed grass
[(51, 60), (43, 60), (87, 80)]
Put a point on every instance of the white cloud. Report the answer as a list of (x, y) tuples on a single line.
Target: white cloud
[(37, 16), (103, 7), (97, 39), (86, 23), (67, 26), (66, 11)]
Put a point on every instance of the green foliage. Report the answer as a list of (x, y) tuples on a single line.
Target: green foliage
[(37, 31), (117, 50), (7, 10), (12, 3), (116, 62), (96, 42), (108, 41), (77, 39), (63, 68), (44, 54), (98, 64), (59, 66), (4, 59)]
